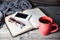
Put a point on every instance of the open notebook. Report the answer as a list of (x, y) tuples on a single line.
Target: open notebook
[(24, 22)]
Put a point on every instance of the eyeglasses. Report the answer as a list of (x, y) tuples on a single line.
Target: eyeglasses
[(17, 23)]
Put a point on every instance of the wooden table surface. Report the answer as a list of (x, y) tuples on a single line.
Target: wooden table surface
[(34, 34)]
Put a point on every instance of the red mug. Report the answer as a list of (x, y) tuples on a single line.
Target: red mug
[(45, 25)]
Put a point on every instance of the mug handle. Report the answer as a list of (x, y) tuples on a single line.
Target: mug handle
[(56, 27)]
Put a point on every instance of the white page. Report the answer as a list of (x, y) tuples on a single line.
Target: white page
[(36, 14), (16, 30)]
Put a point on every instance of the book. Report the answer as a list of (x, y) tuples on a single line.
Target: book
[(21, 22)]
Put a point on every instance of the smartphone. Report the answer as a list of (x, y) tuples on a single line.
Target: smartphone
[(20, 16)]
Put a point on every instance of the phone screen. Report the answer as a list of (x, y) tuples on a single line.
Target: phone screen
[(21, 15)]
